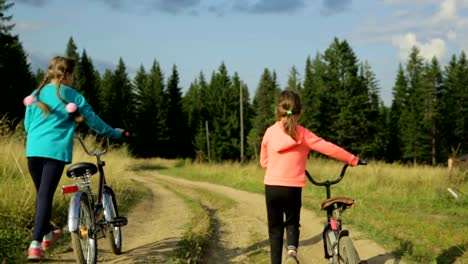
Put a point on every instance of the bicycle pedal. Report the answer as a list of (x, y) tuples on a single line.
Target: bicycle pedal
[(120, 221)]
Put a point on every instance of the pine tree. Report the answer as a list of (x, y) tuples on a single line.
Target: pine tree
[(194, 107), (346, 98), (138, 85), (461, 93), (413, 129), (446, 107), (453, 108), (314, 96), (375, 142), (432, 86), (176, 121), (145, 123), (17, 79), (294, 80), (87, 82), (264, 106), (72, 50), (106, 95), (117, 98), (399, 103), (5, 20), (39, 77), (156, 111), (219, 101)]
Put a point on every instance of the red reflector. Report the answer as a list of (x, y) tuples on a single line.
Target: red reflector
[(69, 189)]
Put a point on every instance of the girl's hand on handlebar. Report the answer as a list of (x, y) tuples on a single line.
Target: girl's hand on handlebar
[(362, 162), (124, 132)]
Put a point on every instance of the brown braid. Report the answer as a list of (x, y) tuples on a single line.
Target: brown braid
[(289, 106), (58, 69), (44, 107), (57, 90)]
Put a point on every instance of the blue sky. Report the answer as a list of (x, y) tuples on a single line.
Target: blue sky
[(247, 35)]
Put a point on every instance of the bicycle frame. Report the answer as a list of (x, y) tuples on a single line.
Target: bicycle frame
[(334, 206), (92, 217), (83, 188)]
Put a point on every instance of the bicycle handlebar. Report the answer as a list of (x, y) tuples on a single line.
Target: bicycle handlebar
[(104, 150), (95, 153), (328, 182)]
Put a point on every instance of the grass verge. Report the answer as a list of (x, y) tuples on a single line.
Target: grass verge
[(201, 235)]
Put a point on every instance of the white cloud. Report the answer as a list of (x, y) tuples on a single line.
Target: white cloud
[(435, 47), (451, 35), (438, 24), (447, 11), (26, 26)]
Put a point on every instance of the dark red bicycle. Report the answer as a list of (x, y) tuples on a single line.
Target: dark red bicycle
[(92, 215), (338, 246)]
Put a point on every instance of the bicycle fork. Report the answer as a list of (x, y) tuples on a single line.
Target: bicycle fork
[(330, 235)]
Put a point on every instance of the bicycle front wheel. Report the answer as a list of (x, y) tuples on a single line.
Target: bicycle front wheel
[(113, 232), (83, 241), (347, 252)]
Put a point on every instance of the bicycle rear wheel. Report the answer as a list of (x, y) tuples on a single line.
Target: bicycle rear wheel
[(113, 232), (347, 252), (83, 241)]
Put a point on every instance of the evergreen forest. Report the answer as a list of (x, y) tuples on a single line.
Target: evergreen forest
[(216, 119)]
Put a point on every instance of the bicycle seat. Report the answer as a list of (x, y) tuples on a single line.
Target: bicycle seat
[(81, 169), (341, 201)]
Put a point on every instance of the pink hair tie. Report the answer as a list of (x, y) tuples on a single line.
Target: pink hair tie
[(71, 107), (29, 100)]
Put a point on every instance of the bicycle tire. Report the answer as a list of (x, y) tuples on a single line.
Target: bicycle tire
[(347, 252), (113, 233), (84, 245)]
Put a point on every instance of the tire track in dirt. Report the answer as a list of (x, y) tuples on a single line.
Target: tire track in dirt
[(154, 227)]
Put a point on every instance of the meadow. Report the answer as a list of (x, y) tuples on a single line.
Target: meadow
[(406, 209)]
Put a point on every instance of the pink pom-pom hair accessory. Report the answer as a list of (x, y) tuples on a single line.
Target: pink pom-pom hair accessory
[(71, 107), (29, 100)]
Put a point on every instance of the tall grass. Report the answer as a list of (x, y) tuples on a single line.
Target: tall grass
[(16, 202), (407, 209), (18, 195)]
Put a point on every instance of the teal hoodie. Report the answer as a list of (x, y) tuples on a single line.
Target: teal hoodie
[(51, 135)]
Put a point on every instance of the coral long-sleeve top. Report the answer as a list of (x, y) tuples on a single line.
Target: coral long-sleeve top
[(285, 159)]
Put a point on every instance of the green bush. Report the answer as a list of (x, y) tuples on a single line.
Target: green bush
[(13, 242)]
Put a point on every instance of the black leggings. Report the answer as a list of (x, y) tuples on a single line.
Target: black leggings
[(46, 174), (282, 201)]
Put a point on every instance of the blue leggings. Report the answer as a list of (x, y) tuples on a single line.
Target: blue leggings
[(283, 206), (46, 174)]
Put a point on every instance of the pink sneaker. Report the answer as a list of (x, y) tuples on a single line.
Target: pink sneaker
[(47, 244), (35, 253)]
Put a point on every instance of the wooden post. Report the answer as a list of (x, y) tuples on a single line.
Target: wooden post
[(207, 141), (241, 124), (450, 164)]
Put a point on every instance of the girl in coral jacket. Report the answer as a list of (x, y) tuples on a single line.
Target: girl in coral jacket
[(284, 151)]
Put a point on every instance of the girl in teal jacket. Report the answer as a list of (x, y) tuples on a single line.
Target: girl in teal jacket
[(51, 114)]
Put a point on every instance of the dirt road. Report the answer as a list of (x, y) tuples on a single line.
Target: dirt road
[(158, 222)]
